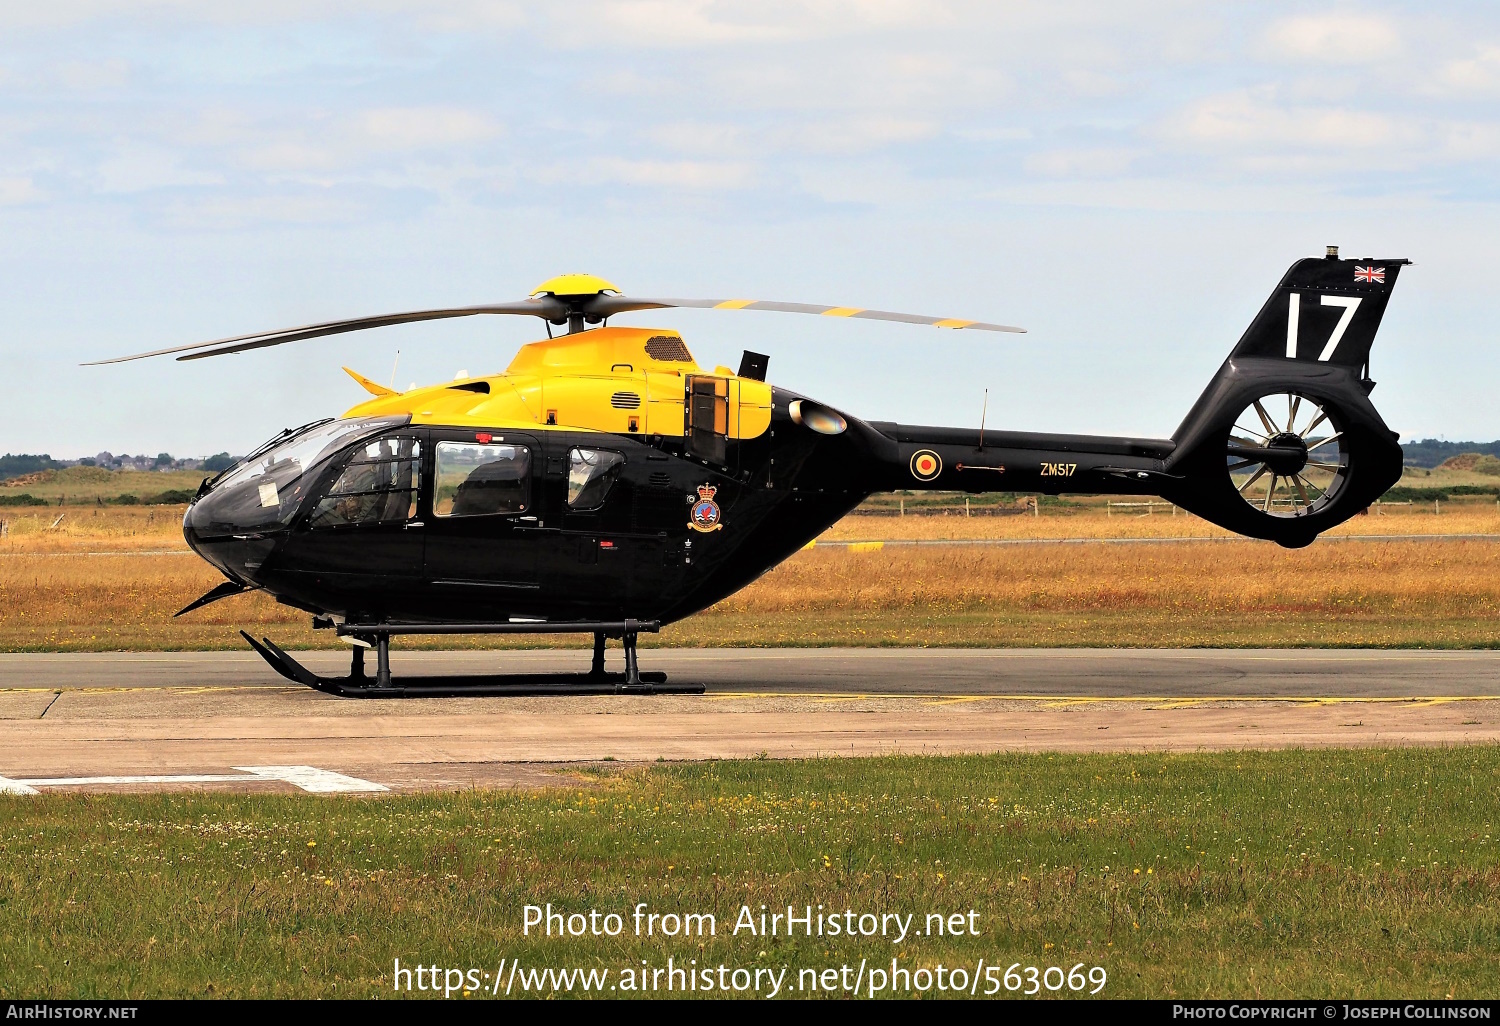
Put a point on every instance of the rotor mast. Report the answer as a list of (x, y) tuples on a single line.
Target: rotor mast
[(576, 291)]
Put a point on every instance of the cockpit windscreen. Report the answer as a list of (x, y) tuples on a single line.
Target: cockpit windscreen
[(264, 493)]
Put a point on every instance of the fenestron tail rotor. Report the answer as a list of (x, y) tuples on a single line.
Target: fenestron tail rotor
[(1286, 455), (575, 300)]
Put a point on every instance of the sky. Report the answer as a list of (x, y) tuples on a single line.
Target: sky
[(1128, 180)]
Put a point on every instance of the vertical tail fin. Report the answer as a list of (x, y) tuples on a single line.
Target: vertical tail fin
[(1284, 443), (1324, 311)]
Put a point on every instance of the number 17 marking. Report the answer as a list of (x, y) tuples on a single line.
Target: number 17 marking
[(1294, 312)]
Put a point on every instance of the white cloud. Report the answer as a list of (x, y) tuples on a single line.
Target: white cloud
[(228, 213), (1468, 140), (1477, 74), (1176, 195), (411, 128), (1255, 134), (15, 191), (138, 168), (676, 23), (836, 137), (847, 137), (1102, 162), (889, 80), (443, 14), (92, 75), (1253, 119), (1361, 38), (686, 174), (704, 137), (319, 141), (994, 134)]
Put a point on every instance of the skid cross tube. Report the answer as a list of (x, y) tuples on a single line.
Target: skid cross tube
[(596, 682)]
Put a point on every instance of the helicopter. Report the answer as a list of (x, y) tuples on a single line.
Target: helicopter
[(604, 483)]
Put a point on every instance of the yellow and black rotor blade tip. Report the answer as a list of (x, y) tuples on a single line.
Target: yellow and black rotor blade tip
[(854, 312)]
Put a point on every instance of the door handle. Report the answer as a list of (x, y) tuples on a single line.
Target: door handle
[(415, 523)]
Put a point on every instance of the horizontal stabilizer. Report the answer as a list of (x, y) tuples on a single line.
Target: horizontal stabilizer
[(375, 388)]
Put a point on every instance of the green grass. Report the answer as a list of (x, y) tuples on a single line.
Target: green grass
[(90, 485), (1351, 873)]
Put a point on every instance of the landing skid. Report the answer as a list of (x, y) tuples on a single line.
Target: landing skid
[(596, 682)]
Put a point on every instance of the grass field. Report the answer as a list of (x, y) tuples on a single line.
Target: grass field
[(1309, 874), (94, 486), (1469, 516), (77, 486), (54, 596)]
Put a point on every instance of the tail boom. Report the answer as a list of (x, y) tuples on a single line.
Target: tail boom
[(964, 459)]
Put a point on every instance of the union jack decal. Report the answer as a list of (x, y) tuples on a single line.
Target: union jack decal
[(1370, 274)]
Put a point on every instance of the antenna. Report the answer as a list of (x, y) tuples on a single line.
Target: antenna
[(396, 363), (983, 411)]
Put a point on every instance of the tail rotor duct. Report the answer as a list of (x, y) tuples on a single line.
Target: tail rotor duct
[(1286, 455)]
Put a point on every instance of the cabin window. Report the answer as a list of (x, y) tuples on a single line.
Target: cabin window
[(476, 480), (591, 474), (378, 485), (707, 416)]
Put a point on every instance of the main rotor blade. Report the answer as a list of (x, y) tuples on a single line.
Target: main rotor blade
[(810, 308), (545, 306), (549, 307)]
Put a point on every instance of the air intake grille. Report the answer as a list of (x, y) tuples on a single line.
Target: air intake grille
[(660, 480), (668, 349), (625, 401)]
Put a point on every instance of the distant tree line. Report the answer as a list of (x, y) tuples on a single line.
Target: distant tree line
[(14, 465), (1429, 452), (17, 464)]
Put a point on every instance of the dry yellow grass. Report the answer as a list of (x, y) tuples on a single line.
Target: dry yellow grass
[(160, 527), (1231, 593), (1443, 593), (88, 528), (1095, 522)]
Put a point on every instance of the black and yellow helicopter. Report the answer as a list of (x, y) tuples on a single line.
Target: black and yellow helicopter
[(604, 483)]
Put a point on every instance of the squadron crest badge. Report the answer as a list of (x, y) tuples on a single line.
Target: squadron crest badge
[(704, 516)]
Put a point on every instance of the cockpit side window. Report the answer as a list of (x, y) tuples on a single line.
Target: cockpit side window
[(378, 485), (591, 474), (475, 480)]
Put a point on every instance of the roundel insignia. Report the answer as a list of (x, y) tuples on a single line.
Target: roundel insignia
[(926, 464)]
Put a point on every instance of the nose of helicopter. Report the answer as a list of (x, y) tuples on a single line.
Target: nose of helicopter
[(238, 554), (240, 517)]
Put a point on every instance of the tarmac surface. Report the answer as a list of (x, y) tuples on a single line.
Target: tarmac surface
[(1151, 673), (224, 720)]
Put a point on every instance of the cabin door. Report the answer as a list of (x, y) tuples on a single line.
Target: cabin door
[(482, 517), (363, 531)]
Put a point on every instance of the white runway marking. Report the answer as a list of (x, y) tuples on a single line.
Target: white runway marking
[(308, 778)]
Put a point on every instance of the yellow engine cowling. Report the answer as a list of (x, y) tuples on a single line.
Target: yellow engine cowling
[(618, 380)]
